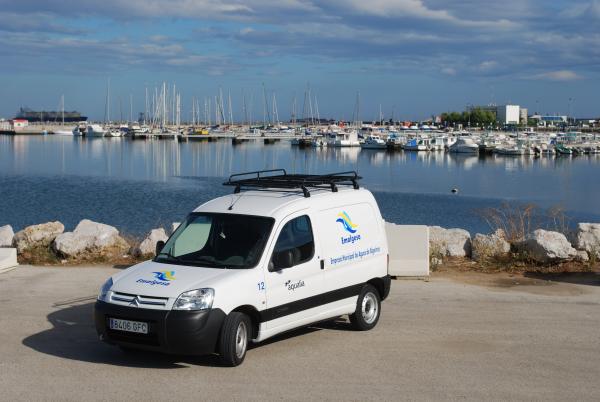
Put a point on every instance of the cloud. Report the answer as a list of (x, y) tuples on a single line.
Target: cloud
[(448, 71), (589, 9), (516, 38), (35, 22), (559, 75), (88, 55)]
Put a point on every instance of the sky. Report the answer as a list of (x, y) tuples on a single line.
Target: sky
[(411, 58)]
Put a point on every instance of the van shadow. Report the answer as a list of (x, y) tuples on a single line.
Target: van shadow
[(576, 278), (73, 336)]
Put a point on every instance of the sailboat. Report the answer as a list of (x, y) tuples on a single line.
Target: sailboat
[(63, 131), (108, 130)]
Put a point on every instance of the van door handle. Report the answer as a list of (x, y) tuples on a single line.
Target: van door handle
[(322, 264)]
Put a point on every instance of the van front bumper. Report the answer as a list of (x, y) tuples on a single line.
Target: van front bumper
[(169, 331)]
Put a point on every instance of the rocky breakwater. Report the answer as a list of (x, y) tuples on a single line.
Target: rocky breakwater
[(37, 236), (88, 242), (541, 247), (90, 239), (6, 236), (91, 242)]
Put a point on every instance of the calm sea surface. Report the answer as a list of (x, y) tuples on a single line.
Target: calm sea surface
[(138, 185)]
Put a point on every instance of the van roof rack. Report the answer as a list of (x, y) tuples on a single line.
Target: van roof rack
[(279, 179)]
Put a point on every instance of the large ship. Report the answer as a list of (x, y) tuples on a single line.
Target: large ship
[(48, 116)]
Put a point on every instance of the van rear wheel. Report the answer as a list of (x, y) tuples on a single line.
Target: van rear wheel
[(368, 309), (235, 336)]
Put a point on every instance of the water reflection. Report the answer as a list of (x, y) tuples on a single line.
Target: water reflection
[(546, 180)]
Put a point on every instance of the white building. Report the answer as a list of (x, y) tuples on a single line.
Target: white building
[(19, 123), (508, 114)]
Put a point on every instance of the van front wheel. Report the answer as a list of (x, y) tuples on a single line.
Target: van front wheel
[(235, 336), (368, 309)]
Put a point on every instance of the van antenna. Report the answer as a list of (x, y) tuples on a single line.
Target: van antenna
[(234, 201)]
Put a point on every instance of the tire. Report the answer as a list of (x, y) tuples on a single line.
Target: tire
[(235, 337), (368, 309)]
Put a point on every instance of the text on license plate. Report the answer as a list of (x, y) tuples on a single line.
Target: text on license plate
[(129, 326)]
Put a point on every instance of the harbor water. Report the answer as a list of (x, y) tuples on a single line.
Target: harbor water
[(138, 185)]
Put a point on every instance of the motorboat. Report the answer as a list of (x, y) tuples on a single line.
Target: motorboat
[(113, 132), (95, 130), (374, 142), (344, 139), (417, 144), (464, 145)]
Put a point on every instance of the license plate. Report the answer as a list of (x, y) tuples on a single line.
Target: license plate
[(128, 326)]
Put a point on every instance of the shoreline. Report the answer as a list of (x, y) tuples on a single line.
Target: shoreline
[(450, 250)]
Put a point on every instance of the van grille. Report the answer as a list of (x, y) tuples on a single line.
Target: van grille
[(132, 300)]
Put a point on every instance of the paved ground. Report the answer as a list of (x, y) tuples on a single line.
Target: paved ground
[(443, 339)]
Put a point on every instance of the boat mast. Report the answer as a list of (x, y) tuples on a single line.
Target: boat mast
[(275, 114), (244, 107), (164, 102), (230, 109), (294, 110), (108, 102)]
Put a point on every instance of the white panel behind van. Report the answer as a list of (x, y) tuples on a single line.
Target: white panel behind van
[(409, 249)]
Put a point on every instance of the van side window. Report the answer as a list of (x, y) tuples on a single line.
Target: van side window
[(295, 244)]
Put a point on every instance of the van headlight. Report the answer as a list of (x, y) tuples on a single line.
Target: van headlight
[(199, 299), (104, 289)]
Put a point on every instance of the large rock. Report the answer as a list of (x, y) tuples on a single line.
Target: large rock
[(148, 246), (174, 226), (587, 237), (90, 238), (450, 242), (6, 236), (582, 256), (37, 235), (545, 246), (484, 247)]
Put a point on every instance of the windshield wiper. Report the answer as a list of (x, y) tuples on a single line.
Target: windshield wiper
[(210, 260)]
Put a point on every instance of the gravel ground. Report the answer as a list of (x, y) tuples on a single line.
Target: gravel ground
[(452, 337)]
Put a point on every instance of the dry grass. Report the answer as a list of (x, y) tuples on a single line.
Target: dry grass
[(514, 264), (517, 220), (41, 255)]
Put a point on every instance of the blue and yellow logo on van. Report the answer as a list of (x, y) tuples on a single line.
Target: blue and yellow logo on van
[(349, 227), (162, 278), (345, 220), (164, 275)]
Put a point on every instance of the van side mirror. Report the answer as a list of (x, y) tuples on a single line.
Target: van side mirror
[(159, 246), (282, 260)]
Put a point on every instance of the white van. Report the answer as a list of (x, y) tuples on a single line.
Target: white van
[(287, 251)]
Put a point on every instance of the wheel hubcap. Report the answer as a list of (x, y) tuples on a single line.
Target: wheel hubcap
[(370, 308), (241, 340)]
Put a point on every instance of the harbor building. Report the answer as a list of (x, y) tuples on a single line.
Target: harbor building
[(523, 115), (19, 123), (508, 114), (505, 114)]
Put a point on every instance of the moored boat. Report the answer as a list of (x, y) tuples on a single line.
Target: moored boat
[(374, 142), (464, 145)]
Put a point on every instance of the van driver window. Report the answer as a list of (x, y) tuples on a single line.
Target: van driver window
[(295, 244)]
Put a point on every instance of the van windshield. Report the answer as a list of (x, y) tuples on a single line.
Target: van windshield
[(218, 241)]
